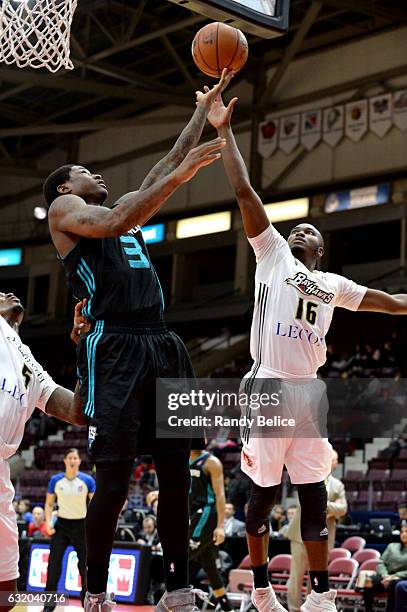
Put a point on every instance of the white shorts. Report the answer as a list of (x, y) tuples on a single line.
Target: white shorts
[(9, 553), (303, 448)]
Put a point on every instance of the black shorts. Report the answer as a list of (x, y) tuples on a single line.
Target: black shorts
[(118, 364)]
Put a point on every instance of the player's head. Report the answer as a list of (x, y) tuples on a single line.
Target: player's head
[(11, 309), (72, 459), (75, 180), (306, 242)]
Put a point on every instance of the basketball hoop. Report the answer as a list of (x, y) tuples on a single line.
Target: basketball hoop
[(36, 33)]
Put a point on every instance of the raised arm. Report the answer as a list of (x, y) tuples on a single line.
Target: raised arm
[(190, 135), (254, 216), (380, 301), (70, 214)]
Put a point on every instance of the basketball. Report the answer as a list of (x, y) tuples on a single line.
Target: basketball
[(217, 46)]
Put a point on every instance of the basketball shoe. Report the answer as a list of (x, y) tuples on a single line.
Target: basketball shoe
[(98, 603), (320, 602), (265, 600), (181, 600)]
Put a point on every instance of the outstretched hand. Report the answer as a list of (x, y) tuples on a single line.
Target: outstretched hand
[(208, 95), (220, 115), (203, 155)]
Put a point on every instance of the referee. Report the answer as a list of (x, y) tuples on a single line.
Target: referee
[(71, 490)]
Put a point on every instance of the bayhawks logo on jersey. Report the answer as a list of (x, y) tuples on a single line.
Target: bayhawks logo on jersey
[(307, 286)]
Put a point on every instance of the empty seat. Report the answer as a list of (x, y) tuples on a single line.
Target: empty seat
[(339, 553), (342, 572), (279, 568), (389, 501), (354, 543), (366, 554)]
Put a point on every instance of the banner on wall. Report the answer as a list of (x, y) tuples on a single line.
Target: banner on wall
[(357, 198), (380, 114), (311, 128), (268, 137), (356, 120), (400, 110), (289, 133), (333, 125)]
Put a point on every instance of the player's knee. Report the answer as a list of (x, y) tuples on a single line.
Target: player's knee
[(258, 510), (313, 500)]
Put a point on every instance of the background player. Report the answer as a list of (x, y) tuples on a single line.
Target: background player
[(294, 304), (207, 507), (71, 490), (25, 386), (107, 262)]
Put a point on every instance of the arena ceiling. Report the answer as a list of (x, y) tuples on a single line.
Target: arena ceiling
[(134, 55)]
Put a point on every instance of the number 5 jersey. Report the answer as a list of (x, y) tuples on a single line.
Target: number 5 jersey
[(24, 386)]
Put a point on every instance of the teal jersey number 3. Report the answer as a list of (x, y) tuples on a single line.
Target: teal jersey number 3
[(134, 252)]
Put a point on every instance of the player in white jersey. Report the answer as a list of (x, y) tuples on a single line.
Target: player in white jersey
[(24, 386), (294, 304)]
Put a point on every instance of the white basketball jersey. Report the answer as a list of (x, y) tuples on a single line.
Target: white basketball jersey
[(293, 310), (24, 385)]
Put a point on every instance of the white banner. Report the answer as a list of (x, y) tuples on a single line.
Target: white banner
[(289, 133), (311, 128), (333, 125), (356, 120), (400, 110), (380, 115), (268, 136)]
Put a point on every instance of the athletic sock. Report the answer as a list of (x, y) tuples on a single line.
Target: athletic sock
[(223, 602), (96, 577), (319, 581), (175, 571), (261, 576)]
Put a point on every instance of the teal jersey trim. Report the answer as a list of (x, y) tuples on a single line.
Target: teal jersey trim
[(91, 344), (206, 512), (86, 275)]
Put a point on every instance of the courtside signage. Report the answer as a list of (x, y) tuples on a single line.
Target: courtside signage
[(123, 572), (357, 198), (153, 233), (11, 257)]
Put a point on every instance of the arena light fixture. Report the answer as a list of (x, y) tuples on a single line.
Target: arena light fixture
[(40, 213), (204, 224), (287, 210)]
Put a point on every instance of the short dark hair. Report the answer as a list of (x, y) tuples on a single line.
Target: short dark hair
[(58, 177), (402, 505), (71, 450)]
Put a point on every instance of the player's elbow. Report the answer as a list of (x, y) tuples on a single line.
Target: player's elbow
[(396, 307)]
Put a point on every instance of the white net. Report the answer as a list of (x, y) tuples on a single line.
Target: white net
[(36, 33)]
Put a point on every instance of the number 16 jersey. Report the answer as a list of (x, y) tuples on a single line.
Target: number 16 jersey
[(293, 310)]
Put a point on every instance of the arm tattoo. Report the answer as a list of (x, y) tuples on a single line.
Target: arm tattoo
[(187, 140)]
